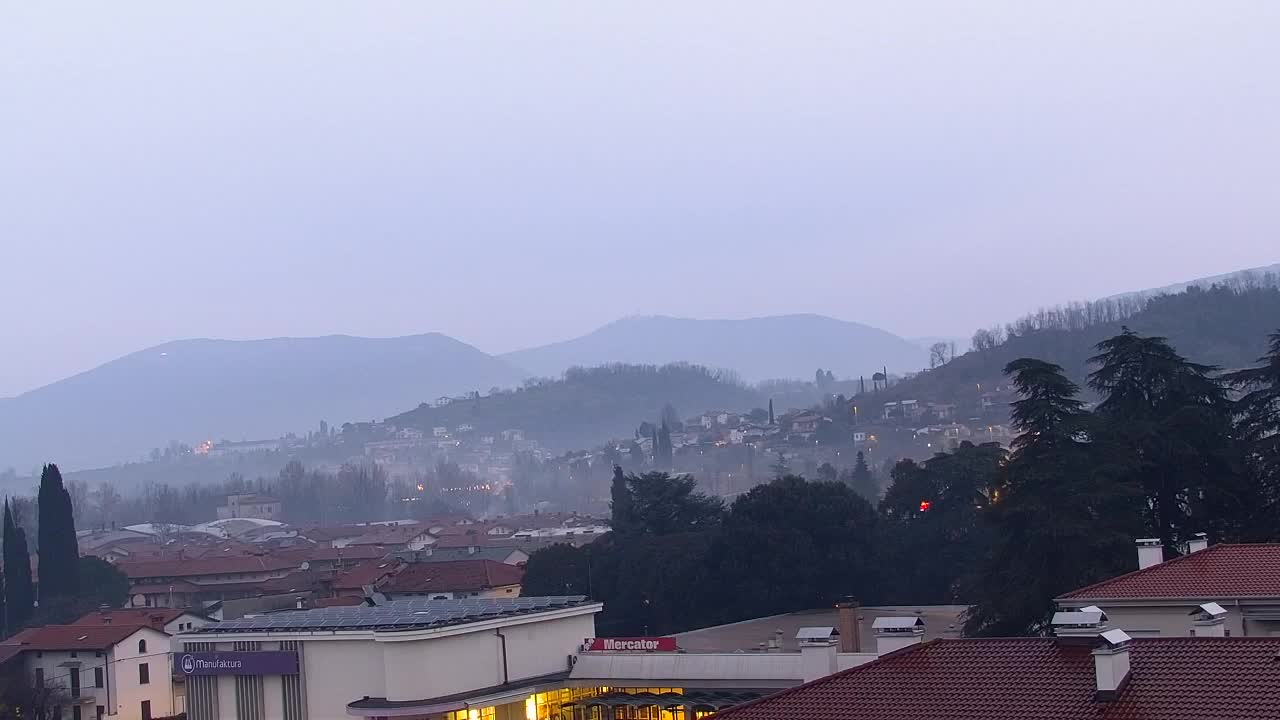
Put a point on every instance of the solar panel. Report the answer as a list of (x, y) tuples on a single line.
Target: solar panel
[(396, 614)]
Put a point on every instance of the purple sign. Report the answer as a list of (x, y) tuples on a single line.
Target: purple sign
[(257, 662)]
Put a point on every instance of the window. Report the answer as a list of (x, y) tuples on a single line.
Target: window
[(39, 677), (75, 712), (144, 674), (146, 710), (100, 711), (142, 646), (97, 677), (74, 674)]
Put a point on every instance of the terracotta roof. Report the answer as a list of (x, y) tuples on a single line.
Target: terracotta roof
[(317, 552), (337, 601), (73, 637), (456, 541), (155, 617), (368, 572), (392, 535), (213, 565), (453, 576), (1221, 571), (1039, 679)]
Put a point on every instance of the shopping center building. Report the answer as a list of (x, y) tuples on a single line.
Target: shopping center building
[(534, 658)]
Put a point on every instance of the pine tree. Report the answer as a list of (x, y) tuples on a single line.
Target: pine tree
[(1171, 422), (1258, 427), (862, 481), (59, 554), (621, 504), (772, 421), (18, 594)]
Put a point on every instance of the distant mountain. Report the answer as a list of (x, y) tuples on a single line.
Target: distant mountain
[(1265, 275), (1222, 326), (190, 390), (587, 406), (781, 346)]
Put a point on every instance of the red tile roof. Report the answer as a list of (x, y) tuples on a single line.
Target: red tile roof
[(453, 576), (369, 572), (317, 552), (1221, 571), (73, 637), (1039, 679), (195, 567), (337, 601), (155, 617)]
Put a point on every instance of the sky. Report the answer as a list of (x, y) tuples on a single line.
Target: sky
[(512, 174)]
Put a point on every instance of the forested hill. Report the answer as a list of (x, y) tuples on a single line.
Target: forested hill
[(587, 405), (1226, 327)]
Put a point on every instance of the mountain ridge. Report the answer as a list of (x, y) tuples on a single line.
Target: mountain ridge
[(801, 343)]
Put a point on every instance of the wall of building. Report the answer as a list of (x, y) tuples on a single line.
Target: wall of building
[(442, 666), (340, 671), (56, 675), (1160, 621), (543, 648), (128, 693)]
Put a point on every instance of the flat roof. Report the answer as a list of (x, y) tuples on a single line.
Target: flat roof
[(409, 614), (940, 621)]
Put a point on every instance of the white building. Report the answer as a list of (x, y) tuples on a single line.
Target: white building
[(481, 659), (105, 671)]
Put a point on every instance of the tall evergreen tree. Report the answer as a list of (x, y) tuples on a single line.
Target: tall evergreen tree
[(1172, 425), (663, 452), (1061, 517), (1258, 427), (623, 519), (19, 597), (772, 420), (862, 481), (59, 554)]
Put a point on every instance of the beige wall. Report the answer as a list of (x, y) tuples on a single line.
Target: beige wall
[(128, 694), (337, 672), (1175, 619)]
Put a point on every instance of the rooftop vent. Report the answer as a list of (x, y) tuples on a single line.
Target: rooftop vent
[(1198, 542), (895, 633), (1210, 620), (1111, 664)]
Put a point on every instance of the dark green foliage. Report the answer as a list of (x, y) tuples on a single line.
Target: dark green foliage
[(19, 595), (792, 544), (926, 550), (1063, 517), (59, 570), (622, 509), (862, 481), (662, 449), (1172, 424), (1258, 419), (560, 570), (663, 504)]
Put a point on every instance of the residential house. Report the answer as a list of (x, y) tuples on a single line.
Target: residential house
[(410, 536), (192, 582), (260, 507), (119, 671), (497, 553), (169, 620), (1095, 676), (365, 578), (454, 580), (1168, 598)]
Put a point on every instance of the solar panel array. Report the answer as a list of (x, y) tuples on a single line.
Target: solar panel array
[(406, 614)]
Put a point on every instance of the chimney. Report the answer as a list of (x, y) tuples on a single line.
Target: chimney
[(1198, 542), (847, 614), (1210, 621), (1111, 664), (895, 633), (1150, 552), (818, 652)]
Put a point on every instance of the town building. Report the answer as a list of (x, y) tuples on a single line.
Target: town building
[(453, 580), (169, 620), (1084, 673), (260, 507), (194, 582), (99, 671), (481, 659), (1165, 598)]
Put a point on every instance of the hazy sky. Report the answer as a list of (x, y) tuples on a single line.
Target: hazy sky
[(517, 173)]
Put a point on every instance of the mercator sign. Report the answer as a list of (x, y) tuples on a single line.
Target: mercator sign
[(634, 644)]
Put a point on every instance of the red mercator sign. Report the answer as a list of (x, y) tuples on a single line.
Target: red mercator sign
[(634, 644)]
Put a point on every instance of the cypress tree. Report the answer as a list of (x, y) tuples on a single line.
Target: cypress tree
[(771, 420), (18, 595), (59, 554)]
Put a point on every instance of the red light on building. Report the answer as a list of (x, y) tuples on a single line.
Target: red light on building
[(924, 506)]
